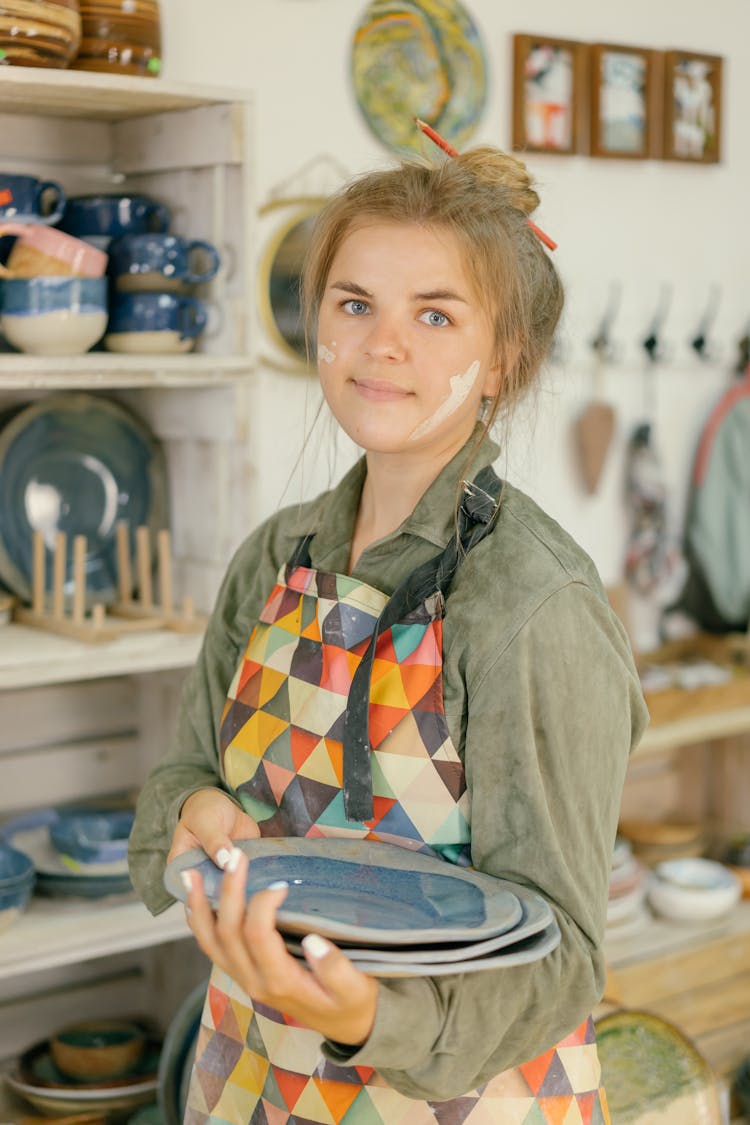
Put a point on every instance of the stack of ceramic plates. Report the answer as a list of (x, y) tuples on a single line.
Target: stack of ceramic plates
[(59, 874), (396, 912), (626, 913), (37, 1080)]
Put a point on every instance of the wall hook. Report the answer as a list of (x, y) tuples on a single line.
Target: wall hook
[(602, 342), (700, 342), (653, 345), (743, 355)]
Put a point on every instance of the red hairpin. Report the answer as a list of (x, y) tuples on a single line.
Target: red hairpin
[(451, 151)]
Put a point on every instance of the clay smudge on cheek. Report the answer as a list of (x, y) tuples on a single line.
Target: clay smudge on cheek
[(460, 387), (325, 354)]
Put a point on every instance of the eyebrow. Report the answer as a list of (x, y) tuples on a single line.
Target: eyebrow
[(429, 295)]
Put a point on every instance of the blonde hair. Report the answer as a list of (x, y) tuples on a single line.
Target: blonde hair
[(484, 196)]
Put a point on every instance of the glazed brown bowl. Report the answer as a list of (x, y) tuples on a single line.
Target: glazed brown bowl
[(98, 1049)]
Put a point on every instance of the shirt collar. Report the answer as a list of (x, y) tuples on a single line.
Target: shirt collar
[(433, 518)]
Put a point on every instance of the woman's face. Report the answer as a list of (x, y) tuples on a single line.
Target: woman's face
[(405, 348)]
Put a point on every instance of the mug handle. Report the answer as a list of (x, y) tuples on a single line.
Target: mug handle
[(213, 269), (191, 318), (158, 218), (60, 200)]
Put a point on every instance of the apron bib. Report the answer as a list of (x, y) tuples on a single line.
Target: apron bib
[(334, 726)]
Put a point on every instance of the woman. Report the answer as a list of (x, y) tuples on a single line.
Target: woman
[(420, 656)]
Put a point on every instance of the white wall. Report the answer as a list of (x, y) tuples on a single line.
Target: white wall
[(643, 224)]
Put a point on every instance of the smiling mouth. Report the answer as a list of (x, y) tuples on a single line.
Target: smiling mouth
[(379, 390)]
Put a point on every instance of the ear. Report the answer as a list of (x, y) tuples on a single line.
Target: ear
[(504, 362)]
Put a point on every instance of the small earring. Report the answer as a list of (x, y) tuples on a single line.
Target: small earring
[(485, 408)]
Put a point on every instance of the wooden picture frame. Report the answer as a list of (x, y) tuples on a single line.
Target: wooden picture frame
[(692, 107), (549, 94), (625, 101)]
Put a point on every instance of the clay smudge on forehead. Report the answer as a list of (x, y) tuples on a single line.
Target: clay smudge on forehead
[(325, 354), (460, 387)]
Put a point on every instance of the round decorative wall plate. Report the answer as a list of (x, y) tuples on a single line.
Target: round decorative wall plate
[(419, 58)]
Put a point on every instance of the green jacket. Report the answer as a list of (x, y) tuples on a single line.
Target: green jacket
[(544, 705)]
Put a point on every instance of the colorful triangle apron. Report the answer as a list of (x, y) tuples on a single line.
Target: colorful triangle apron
[(334, 726)]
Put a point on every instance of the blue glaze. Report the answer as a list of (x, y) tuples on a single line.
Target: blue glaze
[(22, 199), (31, 296), (113, 214), (15, 867), (378, 898), (167, 254), (157, 312), (93, 838)]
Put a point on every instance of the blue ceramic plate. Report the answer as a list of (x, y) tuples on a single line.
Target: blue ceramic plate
[(363, 891), (419, 58), (537, 915), (177, 1054), (76, 463), (521, 953)]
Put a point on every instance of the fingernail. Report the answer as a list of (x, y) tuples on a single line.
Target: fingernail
[(315, 945), (279, 885), (187, 880), (232, 862), (222, 857)]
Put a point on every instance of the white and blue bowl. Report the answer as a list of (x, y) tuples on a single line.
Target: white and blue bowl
[(53, 315), (93, 838), (17, 875)]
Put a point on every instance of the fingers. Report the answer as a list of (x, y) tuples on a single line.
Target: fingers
[(212, 820)]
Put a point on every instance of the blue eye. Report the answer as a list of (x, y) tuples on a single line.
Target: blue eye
[(434, 318), (356, 308)]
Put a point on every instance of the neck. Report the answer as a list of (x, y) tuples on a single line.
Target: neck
[(393, 487)]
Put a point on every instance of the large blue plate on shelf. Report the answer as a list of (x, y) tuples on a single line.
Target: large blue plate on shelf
[(76, 463), (363, 891), (177, 1056)]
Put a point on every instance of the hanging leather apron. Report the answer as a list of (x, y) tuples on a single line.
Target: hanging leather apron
[(334, 726)]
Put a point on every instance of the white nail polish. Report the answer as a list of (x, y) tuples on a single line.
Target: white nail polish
[(186, 878), (279, 885), (233, 861), (222, 858), (315, 945)]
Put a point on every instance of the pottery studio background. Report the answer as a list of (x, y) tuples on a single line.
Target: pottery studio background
[(653, 227)]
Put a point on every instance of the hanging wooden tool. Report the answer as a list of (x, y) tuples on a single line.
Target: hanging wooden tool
[(594, 427)]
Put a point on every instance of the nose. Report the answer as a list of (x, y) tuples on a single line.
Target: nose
[(385, 340)]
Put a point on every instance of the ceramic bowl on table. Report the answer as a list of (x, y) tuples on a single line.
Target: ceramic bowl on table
[(42, 33), (53, 315), (17, 875), (98, 1049), (693, 889), (93, 838)]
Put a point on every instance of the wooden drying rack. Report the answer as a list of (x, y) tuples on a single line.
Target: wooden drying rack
[(128, 614)]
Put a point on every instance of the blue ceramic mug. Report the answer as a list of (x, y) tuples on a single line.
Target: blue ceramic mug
[(53, 315), (147, 323), (27, 199), (100, 218), (148, 262)]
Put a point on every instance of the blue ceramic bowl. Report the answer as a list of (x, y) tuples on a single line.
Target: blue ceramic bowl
[(53, 315), (15, 868), (94, 837)]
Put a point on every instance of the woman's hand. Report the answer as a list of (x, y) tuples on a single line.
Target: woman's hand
[(329, 995), (211, 820)]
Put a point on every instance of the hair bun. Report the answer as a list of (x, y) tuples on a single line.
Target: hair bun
[(502, 170)]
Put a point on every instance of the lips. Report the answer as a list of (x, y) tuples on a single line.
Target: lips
[(380, 390)]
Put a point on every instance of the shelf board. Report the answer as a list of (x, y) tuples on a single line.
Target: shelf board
[(97, 370), (58, 931), (725, 723), (95, 96), (32, 657), (661, 937)]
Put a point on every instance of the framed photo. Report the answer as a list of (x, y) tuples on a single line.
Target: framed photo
[(692, 107), (625, 101), (549, 94)]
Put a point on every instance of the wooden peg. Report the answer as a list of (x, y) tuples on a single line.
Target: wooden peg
[(124, 573), (143, 565), (164, 549), (79, 579), (58, 575), (38, 582)]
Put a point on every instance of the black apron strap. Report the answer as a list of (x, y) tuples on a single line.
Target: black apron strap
[(477, 515)]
